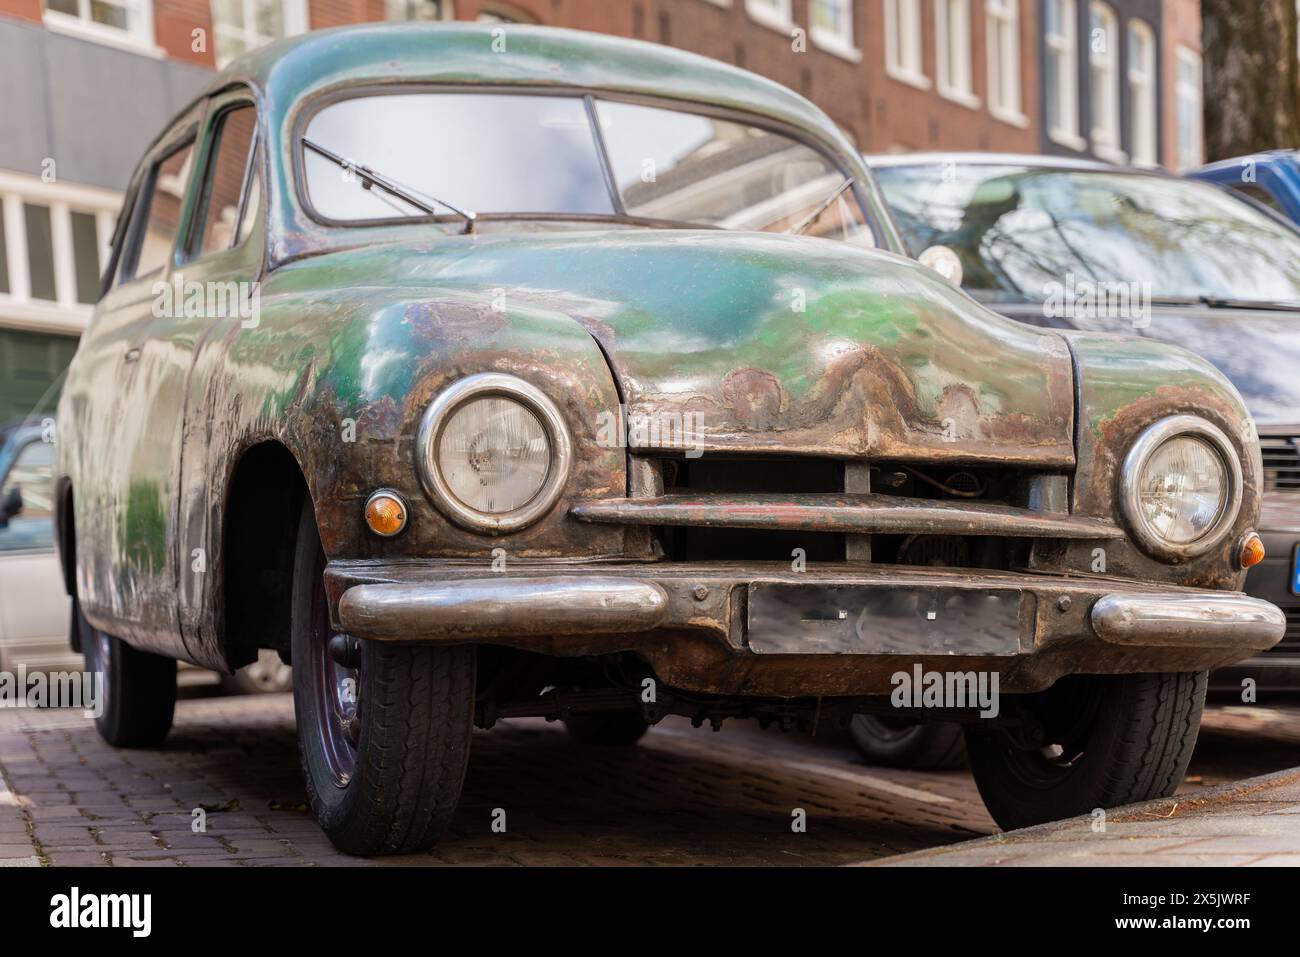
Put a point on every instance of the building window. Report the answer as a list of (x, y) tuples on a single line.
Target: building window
[(1060, 78), (418, 9), (1188, 93), (53, 244), (1103, 62), (952, 50), (1003, 39), (832, 26), (114, 21), (777, 14), (242, 25), (903, 41), (1142, 93)]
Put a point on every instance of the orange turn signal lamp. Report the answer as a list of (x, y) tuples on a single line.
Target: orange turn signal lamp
[(1252, 551), (386, 513)]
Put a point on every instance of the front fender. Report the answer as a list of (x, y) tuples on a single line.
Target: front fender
[(1125, 384)]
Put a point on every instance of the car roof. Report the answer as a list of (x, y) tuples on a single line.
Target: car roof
[(1002, 159), (287, 70), (1264, 156)]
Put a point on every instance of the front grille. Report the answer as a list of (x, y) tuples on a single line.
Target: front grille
[(1281, 463), (1290, 643)]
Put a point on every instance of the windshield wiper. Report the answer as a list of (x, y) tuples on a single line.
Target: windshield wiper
[(369, 178), (824, 205), (1224, 302)]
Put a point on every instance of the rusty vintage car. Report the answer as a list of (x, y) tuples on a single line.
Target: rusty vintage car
[(498, 371)]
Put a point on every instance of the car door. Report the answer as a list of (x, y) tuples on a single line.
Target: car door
[(33, 605), (130, 424), (223, 256)]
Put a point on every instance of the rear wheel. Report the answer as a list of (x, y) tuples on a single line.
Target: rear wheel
[(137, 689), (1089, 742), (903, 743), (383, 730)]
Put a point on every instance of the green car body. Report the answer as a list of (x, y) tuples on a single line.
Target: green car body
[(187, 442)]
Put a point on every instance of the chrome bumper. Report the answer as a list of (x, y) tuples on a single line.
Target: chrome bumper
[(1180, 620), (487, 608)]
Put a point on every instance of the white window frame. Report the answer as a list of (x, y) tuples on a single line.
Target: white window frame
[(777, 15), (1143, 138), (1103, 82), (838, 42), (954, 76), (295, 22), (1185, 93), (137, 36), (1064, 47), (65, 313), (903, 62), (1002, 46), (448, 12)]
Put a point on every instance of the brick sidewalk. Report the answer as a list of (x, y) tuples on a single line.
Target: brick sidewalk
[(684, 796), (1254, 823)]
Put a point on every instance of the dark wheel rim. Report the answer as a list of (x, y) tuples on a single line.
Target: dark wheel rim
[(338, 691), (1069, 713), (102, 646), (886, 730)]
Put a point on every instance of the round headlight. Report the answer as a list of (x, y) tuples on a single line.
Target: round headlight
[(493, 453), (1181, 487)]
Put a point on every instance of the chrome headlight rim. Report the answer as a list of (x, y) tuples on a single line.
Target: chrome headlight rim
[(1135, 463), (429, 437)]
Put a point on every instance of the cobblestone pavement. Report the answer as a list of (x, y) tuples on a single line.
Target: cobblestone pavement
[(683, 796)]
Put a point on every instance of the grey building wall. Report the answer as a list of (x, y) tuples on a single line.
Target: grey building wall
[(89, 107), (1150, 11)]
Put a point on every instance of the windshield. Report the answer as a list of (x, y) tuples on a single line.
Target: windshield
[(530, 155), (1021, 230)]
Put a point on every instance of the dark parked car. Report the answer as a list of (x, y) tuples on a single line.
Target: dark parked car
[(592, 382), (1271, 179), (1163, 258)]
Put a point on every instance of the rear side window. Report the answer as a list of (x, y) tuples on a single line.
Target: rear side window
[(229, 171), (158, 211)]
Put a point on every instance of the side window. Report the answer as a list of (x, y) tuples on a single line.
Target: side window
[(157, 214), (30, 478), (217, 221)]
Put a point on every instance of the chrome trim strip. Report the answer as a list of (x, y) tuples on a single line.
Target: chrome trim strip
[(492, 607), (1201, 621), (844, 512)]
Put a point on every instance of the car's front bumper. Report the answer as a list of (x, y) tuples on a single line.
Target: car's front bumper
[(831, 629)]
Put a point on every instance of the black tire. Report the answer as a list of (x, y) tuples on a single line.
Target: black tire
[(1122, 739), (406, 731), (139, 688), (898, 743), (607, 728)]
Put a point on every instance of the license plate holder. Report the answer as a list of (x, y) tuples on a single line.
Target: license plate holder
[(884, 620)]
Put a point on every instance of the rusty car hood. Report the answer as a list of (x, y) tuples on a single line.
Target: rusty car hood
[(757, 342)]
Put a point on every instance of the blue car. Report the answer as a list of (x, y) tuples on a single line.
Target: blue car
[(1271, 179)]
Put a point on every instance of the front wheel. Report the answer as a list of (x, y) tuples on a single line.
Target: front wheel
[(137, 690), (383, 730), (1088, 742)]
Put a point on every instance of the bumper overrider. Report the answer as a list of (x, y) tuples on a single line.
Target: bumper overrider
[(750, 628)]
